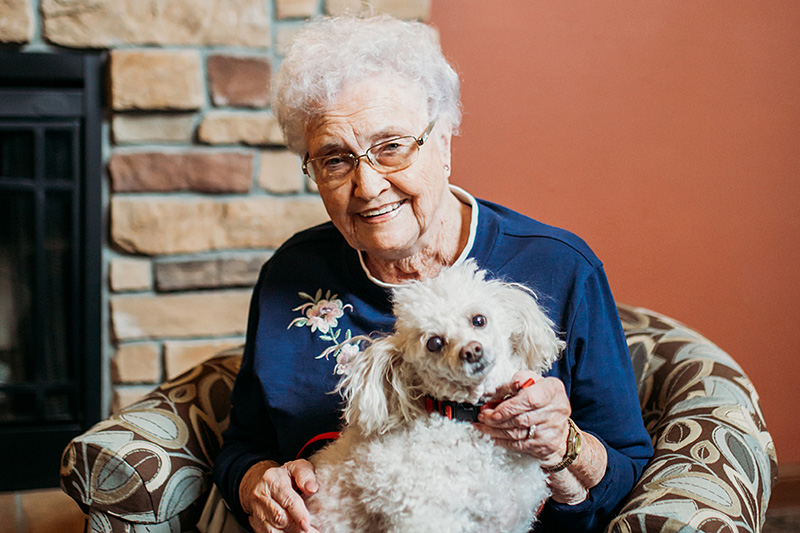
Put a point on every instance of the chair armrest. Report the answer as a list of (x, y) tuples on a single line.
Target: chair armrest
[(714, 465), (153, 460)]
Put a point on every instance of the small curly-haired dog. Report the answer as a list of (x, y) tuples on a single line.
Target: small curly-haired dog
[(396, 467)]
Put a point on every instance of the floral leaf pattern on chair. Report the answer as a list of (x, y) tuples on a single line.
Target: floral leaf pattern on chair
[(150, 464)]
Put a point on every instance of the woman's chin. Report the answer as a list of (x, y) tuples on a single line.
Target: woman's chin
[(387, 250), (390, 241)]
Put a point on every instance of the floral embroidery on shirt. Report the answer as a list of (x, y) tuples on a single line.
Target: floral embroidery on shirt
[(322, 315)]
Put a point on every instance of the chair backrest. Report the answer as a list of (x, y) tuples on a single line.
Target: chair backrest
[(714, 465)]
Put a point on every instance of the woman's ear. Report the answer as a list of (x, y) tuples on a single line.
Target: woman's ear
[(443, 137)]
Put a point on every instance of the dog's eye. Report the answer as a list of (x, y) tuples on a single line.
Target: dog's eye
[(479, 321), (435, 344)]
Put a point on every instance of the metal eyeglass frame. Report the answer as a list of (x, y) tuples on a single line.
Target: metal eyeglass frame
[(357, 158)]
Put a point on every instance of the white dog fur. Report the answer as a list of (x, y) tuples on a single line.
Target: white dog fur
[(397, 468)]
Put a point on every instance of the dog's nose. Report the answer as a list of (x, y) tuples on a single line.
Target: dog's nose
[(472, 352)]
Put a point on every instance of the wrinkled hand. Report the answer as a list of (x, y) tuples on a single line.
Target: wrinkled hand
[(543, 406), (271, 495)]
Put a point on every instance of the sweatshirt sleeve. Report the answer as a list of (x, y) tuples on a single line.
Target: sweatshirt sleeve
[(605, 403), (250, 436)]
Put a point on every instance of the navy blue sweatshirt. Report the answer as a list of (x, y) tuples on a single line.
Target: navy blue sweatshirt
[(314, 293)]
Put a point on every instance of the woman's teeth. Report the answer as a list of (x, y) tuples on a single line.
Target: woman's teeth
[(383, 210)]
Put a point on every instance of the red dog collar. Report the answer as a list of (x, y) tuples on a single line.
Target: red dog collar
[(465, 412)]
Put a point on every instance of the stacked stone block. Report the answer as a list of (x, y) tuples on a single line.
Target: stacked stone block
[(200, 186)]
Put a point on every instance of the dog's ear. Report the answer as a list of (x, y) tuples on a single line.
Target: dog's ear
[(533, 337), (376, 398)]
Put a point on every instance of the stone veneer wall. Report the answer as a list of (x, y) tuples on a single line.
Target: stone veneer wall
[(199, 187)]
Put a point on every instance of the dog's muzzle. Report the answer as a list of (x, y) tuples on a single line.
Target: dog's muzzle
[(471, 353)]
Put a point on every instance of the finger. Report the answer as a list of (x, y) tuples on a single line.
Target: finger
[(522, 420), (276, 516), (266, 514), (266, 527), (262, 526), (521, 380), (503, 392), (521, 376), (503, 433), (258, 525), (544, 441), (506, 411), (522, 400), (540, 448), (304, 476), (547, 394), (278, 492), (523, 446), (294, 507), (283, 505), (541, 418)]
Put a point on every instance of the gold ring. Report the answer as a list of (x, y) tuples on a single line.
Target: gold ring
[(531, 431)]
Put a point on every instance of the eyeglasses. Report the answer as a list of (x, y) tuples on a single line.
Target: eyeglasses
[(387, 156)]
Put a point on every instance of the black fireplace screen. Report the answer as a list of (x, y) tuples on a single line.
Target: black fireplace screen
[(50, 235)]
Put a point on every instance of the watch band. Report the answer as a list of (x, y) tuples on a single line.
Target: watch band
[(574, 441)]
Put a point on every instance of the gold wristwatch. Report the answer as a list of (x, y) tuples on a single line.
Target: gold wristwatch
[(574, 442)]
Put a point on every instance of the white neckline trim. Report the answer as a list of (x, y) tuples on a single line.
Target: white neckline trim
[(464, 197)]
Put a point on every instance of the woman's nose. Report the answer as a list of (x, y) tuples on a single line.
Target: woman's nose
[(369, 183)]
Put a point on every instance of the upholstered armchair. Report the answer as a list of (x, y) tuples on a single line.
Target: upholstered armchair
[(148, 467)]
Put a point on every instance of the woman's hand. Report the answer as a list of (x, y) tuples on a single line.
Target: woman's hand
[(269, 494), (533, 420)]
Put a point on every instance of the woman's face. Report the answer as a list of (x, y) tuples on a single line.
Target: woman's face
[(388, 216)]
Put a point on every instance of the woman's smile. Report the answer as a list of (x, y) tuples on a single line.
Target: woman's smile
[(389, 208)]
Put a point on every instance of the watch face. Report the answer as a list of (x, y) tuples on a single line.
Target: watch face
[(575, 441)]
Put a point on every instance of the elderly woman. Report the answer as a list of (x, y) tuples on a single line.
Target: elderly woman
[(371, 106)]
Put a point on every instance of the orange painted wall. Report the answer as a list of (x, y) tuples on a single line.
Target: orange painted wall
[(667, 134)]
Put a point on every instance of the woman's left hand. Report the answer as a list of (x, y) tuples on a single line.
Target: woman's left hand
[(532, 420)]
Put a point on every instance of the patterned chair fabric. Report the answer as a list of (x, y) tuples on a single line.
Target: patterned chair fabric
[(150, 464), (148, 467), (714, 465)]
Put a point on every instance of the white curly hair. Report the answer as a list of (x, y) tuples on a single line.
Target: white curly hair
[(330, 52)]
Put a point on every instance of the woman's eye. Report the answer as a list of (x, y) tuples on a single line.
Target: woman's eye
[(333, 161), (479, 321), (434, 344), (390, 147)]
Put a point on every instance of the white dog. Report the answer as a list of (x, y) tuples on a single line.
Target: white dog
[(398, 468)]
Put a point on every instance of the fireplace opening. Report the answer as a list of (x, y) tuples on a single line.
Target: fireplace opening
[(50, 268)]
